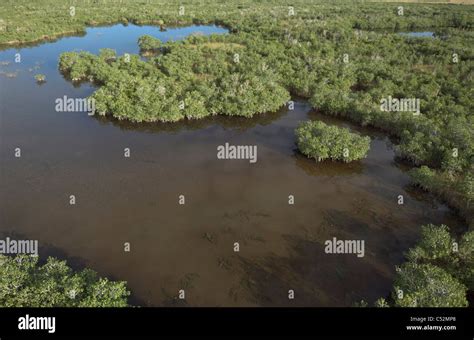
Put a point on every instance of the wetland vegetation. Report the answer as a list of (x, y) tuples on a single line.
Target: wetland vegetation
[(26, 283), (439, 271), (319, 141)]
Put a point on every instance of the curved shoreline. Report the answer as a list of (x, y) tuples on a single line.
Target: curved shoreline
[(454, 203), (83, 31)]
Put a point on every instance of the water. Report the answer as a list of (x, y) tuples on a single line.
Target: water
[(191, 246), (418, 34)]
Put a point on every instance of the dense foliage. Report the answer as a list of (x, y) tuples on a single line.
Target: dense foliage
[(192, 79), (26, 21), (24, 283), (439, 271), (456, 189), (425, 285), (320, 141), (438, 247), (148, 43)]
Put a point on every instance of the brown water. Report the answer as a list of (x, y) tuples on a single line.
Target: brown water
[(191, 246)]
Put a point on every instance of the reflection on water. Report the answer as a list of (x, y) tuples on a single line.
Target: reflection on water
[(191, 246), (227, 122), (331, 169)]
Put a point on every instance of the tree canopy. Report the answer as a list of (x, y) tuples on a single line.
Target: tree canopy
[(424, 285), (149, 43), (25, 283), (320, 141), (183, 83), (439, 271)]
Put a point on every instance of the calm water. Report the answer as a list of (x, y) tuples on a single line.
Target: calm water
[(418, 34), (191, 246)]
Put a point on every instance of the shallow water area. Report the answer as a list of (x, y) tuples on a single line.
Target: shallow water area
[(426, 34), (191, 246)]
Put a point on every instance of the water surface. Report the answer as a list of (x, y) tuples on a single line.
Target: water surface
[(418, 34), (191, 246)]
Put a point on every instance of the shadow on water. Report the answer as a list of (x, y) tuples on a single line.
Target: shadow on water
[(46, 250), (226, 122), (331, 169)]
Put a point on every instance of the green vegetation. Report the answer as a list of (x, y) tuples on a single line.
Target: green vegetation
[(320, 141), (439, 271), (192, 80), (437, 247), (428, 286), (344, 56), (148, 43), (40, 78), (24, 283), (457, 190), (27, 21)]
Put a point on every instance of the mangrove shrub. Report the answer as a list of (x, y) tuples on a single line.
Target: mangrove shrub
[(320, 141), (25, 283)]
